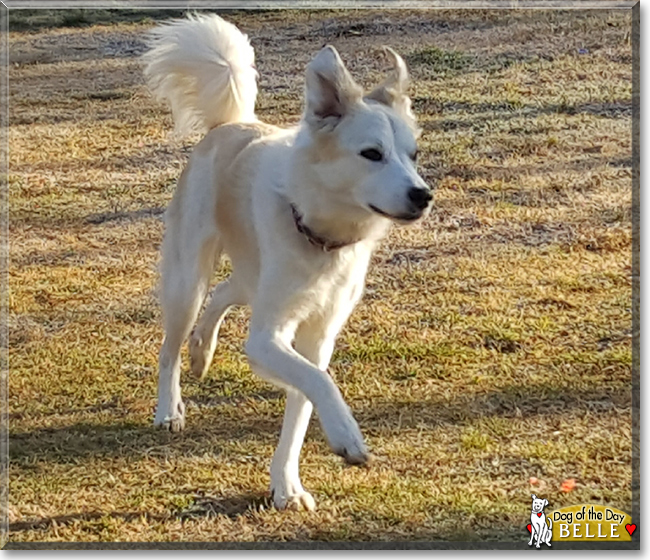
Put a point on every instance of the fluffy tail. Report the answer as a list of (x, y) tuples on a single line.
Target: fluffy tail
[(204, 68)]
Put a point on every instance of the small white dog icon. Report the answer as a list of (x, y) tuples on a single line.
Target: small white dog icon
[(538, 526)]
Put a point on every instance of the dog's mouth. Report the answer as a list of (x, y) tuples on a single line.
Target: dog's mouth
[(403, 218)]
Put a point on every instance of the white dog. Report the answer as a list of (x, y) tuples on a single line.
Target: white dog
[(539, 528), (298, 212)]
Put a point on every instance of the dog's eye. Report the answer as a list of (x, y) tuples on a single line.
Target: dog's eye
[(372, 154)]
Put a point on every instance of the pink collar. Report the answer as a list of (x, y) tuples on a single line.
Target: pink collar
[(322, 243)]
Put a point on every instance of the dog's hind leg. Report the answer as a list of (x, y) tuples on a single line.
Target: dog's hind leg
[(185, 279), (549, 532), (203, 340)]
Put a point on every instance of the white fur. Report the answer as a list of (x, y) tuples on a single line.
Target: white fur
[(205, 68), (235, 197)]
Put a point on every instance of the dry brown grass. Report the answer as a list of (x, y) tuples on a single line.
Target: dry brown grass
[(493, 344)]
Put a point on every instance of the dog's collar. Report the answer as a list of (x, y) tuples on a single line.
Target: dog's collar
[(316, 240)]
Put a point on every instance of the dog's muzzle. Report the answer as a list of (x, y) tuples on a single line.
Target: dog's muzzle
[(419, 197), (418, 200)]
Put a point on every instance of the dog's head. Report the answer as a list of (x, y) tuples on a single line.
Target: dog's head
[(538, 504), (362, 147)]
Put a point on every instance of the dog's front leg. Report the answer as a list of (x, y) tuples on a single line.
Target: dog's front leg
[(540, 535), (274, 359), (286, 489), (315, 341)]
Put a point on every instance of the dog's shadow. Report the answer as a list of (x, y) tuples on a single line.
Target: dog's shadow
[(84, 440), (202, 507), (229, 505), (68, 444)]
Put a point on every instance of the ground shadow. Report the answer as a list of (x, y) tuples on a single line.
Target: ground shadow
[(535, 400), (85, 440), (203, 507), (467, 172), (501, 112), (208, 433), (45, 523), (102, 217), (227, 505)]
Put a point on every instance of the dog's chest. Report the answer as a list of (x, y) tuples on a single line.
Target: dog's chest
[(334, 282)]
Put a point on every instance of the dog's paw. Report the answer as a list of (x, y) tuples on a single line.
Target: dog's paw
[(173, 422), (345, 438), (200, 356), (352, 448), (295, 500)]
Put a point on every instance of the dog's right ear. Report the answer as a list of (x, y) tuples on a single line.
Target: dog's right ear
[(330, 90), (534, 497)]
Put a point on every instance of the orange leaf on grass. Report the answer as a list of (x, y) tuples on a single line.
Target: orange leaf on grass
[(533, 480), (568, 485)]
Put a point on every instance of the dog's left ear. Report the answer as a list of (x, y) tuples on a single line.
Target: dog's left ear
[(392, 91), (545, 502), (330, 90)]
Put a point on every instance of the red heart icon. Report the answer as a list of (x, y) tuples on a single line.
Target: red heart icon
[(530, 528), (539, 514), (630, 528)]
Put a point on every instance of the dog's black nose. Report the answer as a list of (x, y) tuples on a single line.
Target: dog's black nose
[(420, 197)]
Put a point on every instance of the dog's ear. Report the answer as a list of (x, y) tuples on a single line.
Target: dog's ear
[(534, 497), (545, 502), (392, 91), (330, 90)]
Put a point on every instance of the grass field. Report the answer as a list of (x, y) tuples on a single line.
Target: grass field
[(493, 344)]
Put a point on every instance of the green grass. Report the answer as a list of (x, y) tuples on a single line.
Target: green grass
[(493, 343), (438, 60), (38, 19)]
